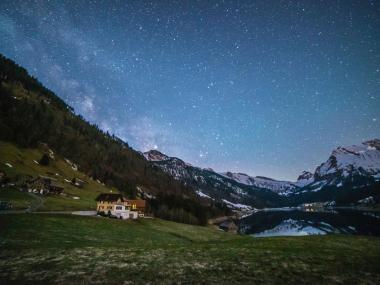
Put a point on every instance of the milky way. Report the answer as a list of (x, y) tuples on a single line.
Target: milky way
[(262, 87)]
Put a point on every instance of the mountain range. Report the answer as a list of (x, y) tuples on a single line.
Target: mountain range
[(354, 168)]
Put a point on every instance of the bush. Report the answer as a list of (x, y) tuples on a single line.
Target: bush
[(44, 160)]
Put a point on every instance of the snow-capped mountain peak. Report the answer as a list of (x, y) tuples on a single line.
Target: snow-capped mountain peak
[(155, 155), (305, 175), (305, 178), (362, 159), (355, 165)]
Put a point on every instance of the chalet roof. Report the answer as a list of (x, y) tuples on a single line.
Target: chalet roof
[(139, 203), (109, 197)]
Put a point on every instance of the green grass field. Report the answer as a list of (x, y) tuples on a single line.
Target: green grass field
[(23, 165), (63, 249), (20, 200)]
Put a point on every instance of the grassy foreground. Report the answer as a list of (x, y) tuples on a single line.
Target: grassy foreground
[(63, 249)]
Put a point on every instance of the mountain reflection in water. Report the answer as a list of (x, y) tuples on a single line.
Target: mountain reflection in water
[(301, 223)]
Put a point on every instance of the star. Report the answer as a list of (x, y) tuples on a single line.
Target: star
[(216, 81)]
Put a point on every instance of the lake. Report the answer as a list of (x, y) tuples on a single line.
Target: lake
[(299, 223)]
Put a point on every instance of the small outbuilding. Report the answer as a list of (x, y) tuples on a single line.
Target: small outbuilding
[(229, 226), (137, 205)]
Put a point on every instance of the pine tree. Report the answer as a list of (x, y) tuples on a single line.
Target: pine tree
[(44, 160)]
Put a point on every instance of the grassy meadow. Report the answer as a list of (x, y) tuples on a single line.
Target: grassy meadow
[(65, 249)]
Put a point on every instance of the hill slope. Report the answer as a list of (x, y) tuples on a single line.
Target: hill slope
[(19, 164), (214, 186), (32, 114)]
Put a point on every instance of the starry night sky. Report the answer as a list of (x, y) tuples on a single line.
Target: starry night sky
[(263, 87)]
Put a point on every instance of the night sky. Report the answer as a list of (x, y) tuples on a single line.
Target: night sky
[(262, 87)]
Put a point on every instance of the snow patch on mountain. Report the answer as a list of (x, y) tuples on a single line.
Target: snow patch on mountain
[(367, 200), (280, 187), (203, 195), (237, 205), (239, 177)]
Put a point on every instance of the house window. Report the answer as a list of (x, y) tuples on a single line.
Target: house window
[(119, 207)]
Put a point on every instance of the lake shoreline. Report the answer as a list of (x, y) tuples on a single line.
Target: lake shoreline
[(300, 221)]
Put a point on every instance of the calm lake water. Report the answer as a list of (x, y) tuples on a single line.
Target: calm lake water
[(299, 223)]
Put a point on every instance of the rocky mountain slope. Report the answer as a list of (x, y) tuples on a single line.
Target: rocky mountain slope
[(361, 160), (216, 186), (279, 187), (304, 179), (351, 166)]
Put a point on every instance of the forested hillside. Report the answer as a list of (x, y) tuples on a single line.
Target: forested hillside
[(32, 114)]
